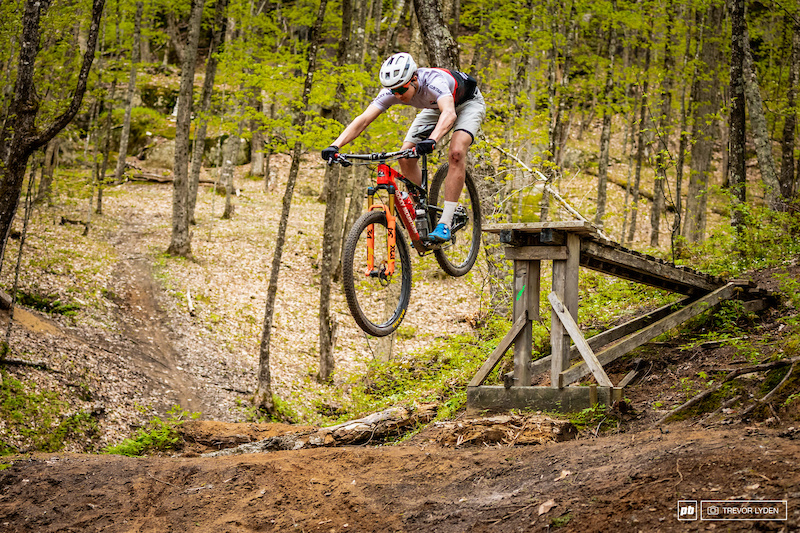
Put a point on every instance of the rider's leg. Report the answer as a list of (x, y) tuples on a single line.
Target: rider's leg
[(410, 167), (459, 145), (453, 183)]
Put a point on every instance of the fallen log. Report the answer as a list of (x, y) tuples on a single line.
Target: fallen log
[(160, 178), (373, 428)]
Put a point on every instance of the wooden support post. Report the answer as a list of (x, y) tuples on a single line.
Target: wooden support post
[(577, 337), (565, 286), (526, 303)]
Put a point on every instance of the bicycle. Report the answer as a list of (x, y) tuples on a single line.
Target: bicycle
[(376, 267)]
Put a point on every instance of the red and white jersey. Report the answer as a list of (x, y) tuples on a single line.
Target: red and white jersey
[(434, 83)]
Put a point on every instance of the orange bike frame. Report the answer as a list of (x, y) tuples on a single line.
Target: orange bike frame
[(387, 180)]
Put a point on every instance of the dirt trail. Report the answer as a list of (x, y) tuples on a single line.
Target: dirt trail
[(146, 326)]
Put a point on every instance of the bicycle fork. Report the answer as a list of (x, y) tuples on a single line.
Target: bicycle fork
[(385, 271)]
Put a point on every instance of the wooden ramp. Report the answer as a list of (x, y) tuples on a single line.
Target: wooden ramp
[(569, 245)]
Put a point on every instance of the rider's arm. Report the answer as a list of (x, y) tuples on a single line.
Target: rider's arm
[(359, 124), (447, 117)]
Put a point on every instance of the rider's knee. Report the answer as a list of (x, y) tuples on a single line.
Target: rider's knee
[(457, 155)]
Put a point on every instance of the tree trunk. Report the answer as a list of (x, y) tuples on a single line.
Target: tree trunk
[(263, 396), (180, 243), (220, 11), (230, 153), (106, 148), (738, 119), (126, 124), (758, 123), (664, 119), (705, 98), (334, 197), (641, 140), (440, 47), (21, 138), (44, 193), (788, 190), (683, 143), (400, 8), (605, 135)]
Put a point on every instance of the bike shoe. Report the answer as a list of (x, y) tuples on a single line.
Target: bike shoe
[(440, 234)]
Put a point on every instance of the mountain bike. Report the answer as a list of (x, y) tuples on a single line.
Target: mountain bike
[(376, 266)]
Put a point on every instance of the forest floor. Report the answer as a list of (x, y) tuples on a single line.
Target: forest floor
[(623, 472)]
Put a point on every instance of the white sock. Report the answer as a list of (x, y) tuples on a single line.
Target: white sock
[(447, 213)]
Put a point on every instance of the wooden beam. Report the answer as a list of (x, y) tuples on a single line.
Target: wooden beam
[(498, 352), (536, 253), (574, 226), (631, 342), (636, 267), (565, 285), (581, 344), (616, 333), (526, 303)]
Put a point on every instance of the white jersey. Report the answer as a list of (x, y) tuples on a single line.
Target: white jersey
[(434, 83)]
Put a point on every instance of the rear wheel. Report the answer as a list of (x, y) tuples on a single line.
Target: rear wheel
[(377, 300), (458, 256)]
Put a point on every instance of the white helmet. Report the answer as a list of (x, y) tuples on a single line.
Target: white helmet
[(397, 70)]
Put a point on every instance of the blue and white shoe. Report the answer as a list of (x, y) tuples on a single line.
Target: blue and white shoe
[(441, 233)]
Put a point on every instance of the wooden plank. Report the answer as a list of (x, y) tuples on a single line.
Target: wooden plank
[(526, 303), (536, 253), (498, 352), (565, 285), (578, 226), (577, 338), (566, 400), (631, 342), (627, 265)]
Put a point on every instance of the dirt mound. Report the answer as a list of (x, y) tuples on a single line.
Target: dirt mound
[(626, 482)]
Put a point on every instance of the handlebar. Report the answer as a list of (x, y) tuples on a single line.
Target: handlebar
[(345, 159)]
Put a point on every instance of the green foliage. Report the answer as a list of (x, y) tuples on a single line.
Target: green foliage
[(146, 123), (439, 373), (49, 303), (768, 239), (591, 418), (39, 420), (159, 435)]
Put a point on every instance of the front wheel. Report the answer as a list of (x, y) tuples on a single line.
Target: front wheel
[(377, 300), (458, 256)]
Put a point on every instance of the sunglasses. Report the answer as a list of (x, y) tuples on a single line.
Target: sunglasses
[(402, 89)]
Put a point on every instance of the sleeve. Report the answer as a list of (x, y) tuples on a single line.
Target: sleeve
[(384, 100), (438, 86)]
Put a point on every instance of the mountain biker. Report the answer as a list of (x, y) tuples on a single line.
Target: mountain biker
[(449, 100)]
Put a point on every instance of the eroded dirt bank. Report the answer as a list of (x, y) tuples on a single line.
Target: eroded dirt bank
[(627, 482)]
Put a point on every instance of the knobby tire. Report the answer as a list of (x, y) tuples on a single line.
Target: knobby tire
[(458, 257), (377, 305)]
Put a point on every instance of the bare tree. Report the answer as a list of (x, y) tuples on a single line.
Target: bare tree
[(217, 36), (440, 47), (705, 99), (738, 119), (21, 136), (263, 396), (664, 119), (180, 243), (790, 123), (758, 124), (333, 223), (126, 123), (605, 135)]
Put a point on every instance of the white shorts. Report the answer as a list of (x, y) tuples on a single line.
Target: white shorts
[(469, 117)]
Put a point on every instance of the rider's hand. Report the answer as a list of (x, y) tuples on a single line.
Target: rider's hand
[(426, 147), (329, 153)]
